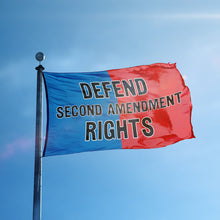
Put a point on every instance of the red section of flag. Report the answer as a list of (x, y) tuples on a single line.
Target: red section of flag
[(156, 115)]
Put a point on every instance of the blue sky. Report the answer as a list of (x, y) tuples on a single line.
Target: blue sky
[(180, 181)]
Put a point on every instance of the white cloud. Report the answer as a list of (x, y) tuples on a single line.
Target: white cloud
[(187, 16), (19, 145)]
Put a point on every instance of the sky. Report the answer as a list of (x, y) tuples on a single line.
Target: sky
[(180, 181)]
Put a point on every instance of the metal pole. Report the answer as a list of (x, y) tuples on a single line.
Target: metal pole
[(38, 142)]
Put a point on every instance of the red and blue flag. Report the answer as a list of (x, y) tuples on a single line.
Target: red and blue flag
[(146, 106)]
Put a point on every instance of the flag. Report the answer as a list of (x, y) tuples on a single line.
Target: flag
[(146, 106)]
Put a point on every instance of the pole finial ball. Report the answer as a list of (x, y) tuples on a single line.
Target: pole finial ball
[(39, 56)]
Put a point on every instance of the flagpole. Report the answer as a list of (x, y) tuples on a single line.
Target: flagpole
[(38, 141)]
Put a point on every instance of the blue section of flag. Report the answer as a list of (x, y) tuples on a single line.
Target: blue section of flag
[(66, 135)]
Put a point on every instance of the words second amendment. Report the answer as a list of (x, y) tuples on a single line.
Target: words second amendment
[(109, 129)]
